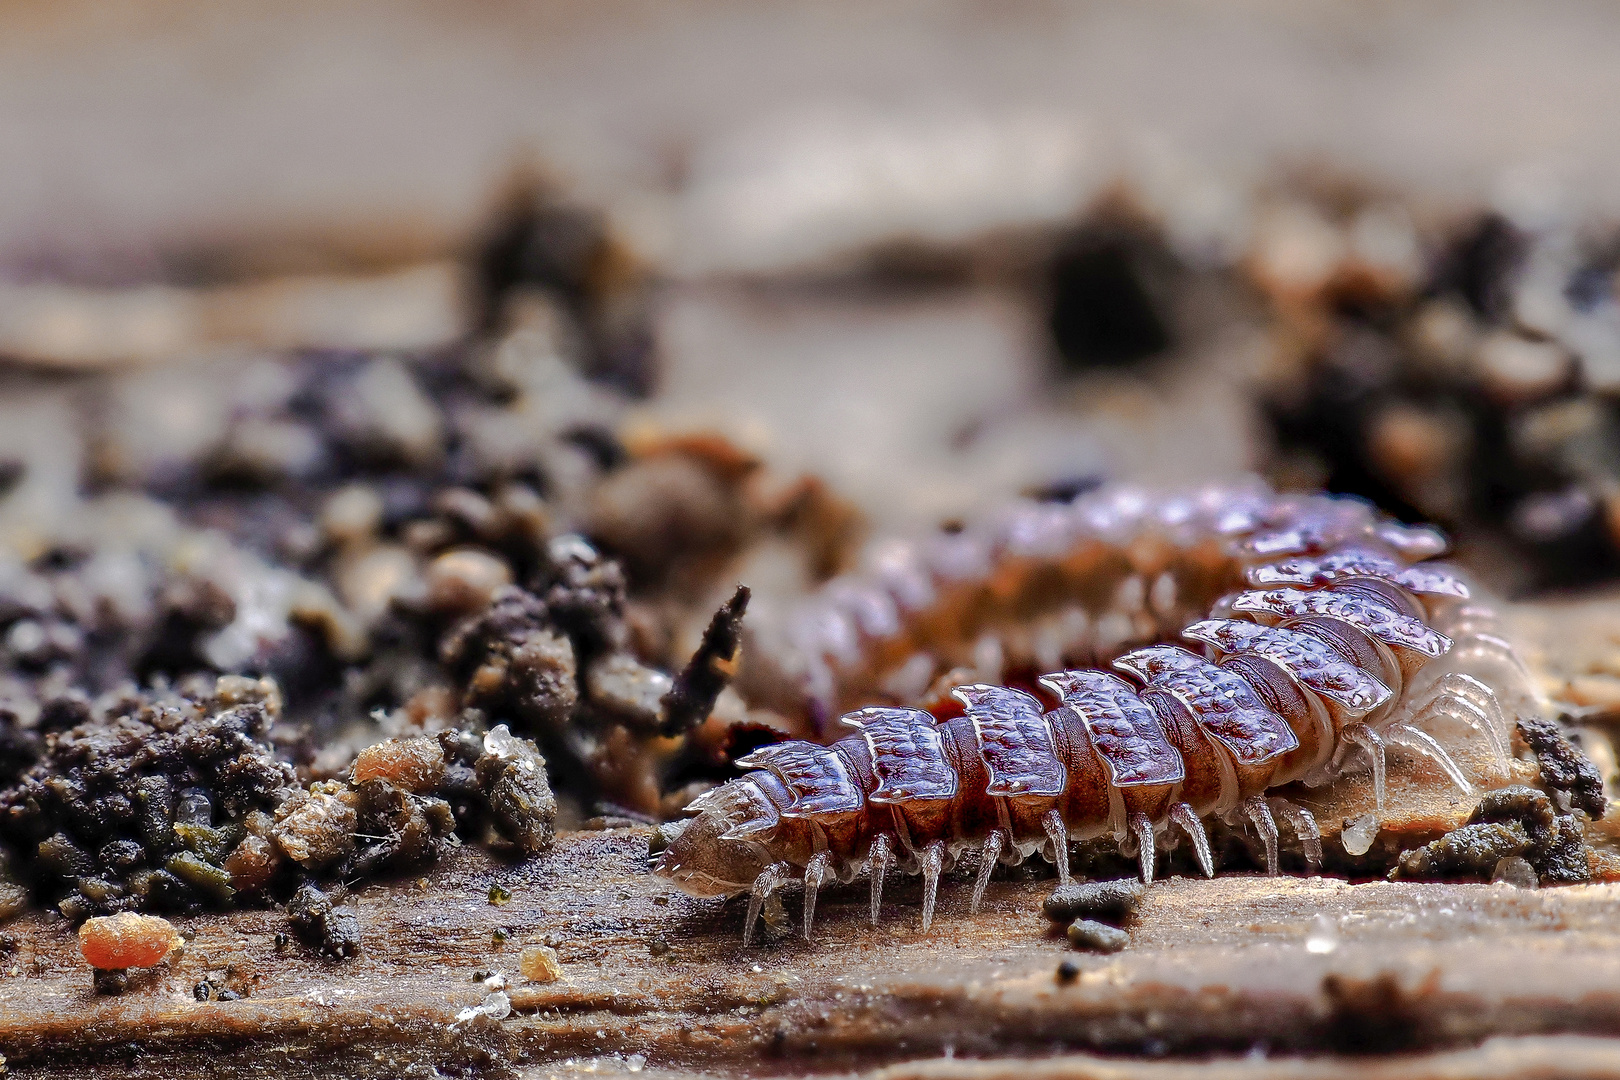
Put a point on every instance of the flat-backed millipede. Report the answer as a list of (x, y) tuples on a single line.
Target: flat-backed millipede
[(1317, 650)]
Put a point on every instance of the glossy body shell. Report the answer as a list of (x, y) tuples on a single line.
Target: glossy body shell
[(1324, 652)]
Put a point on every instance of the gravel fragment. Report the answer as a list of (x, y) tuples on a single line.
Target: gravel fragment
[(415, 764), (465, 580), (513, 776), (539, 964), (335, 930), (1107, 900), (1096, 936), (317, 827), (624, 687)]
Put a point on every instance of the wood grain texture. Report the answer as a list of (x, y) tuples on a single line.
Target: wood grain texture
[(1213, 966)]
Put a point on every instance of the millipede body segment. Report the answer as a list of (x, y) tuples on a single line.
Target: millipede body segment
[(1321, 652)]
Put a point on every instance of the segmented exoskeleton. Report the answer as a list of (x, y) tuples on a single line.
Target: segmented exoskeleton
[(1324, 656)]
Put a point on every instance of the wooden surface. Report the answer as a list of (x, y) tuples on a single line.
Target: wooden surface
[(1440, 980), (1223, 966)]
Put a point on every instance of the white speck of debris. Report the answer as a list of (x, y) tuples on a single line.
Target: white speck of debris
[(1323, 938), (325, 997), (635, 1062), (1358, 835), (496, 981), (495, 1006), (756, 969)]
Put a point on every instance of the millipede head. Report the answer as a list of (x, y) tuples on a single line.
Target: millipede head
[(722, 850)]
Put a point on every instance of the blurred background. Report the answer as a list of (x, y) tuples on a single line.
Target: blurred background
[(322, 323), (315, 293), (852, 227)]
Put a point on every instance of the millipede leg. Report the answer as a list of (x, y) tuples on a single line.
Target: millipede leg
[(1469, 700), (1147, 851), (815, 872), (1058, 833), (933, 864), (987, 862), (878, 862), (1255, 808), (770, 879), (1490, 647), (1182, 814), (1363, 736), (1423, 743), (1304, 825)]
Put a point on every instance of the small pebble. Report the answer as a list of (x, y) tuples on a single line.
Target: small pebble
[(463, 581), (126, 940), (351, 514), (315, 828), (1358, 834), (499, 894), (496, 1005), (1516, 871), (1515, 369), (539, 964), (1108, 900), (1097, 937), (415, 764), (1067, 972), (664, 836), (658, 947)]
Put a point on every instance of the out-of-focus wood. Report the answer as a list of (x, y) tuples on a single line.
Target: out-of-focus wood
[(1571, 1057)]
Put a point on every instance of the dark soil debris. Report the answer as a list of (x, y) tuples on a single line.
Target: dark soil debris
[(1109, 901), (1564, 767), (1509, 822), (139, 808)]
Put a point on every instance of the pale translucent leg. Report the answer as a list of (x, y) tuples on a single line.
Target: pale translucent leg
[(1423, 743), (878, 863), (1510, 675), (1182, 814), (1304, 825), (1489, 646), (1256, 810), (1464, 698), (1365, 737), (1058, 833), (1147, 851), (770, 879), (987, 862), (815, 872), (933, 864), (1459, 709)]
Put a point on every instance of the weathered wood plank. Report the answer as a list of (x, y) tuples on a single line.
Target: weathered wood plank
[(1219, 965)]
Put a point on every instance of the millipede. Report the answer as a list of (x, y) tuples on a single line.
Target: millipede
[(1326, 635)]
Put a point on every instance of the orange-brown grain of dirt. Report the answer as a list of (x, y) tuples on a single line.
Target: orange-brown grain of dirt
[(415, 764), (127, 940)]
